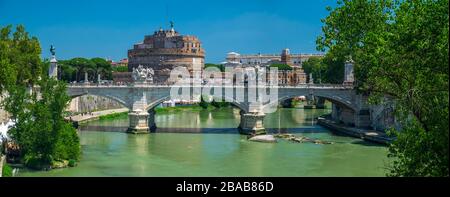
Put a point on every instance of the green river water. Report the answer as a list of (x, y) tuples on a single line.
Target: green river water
[(207, 143)]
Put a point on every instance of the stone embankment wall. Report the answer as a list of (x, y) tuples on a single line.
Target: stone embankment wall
[(86, 103), (90, 103)]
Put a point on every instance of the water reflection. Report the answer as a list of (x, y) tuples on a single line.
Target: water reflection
[(207, 143), (224, 120)]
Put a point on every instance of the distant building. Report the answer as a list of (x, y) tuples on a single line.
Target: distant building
[(262, 59), (165, 50), (285, 77), (122, 62)]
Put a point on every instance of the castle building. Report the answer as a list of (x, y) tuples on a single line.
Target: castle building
[(165, 50)]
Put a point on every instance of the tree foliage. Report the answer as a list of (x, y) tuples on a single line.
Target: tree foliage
[(36, 103), (120, 69), (281, 66), (219, 66), (18, 63), (400, 49), (74, 69), (102, 67), (326, 69)]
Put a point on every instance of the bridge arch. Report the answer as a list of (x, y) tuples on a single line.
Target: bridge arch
[(118, 100), (145, 98), (155, 103), (333, 99)]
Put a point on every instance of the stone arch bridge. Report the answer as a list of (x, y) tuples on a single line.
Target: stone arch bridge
[(348, 107)]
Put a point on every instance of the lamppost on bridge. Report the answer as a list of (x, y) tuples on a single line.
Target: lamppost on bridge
[(320, 73)]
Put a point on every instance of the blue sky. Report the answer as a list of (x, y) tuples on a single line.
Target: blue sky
[(97, 28)]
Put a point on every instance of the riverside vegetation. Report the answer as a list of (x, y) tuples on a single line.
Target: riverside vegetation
[(400, 54), (43, 139), (400, 50)]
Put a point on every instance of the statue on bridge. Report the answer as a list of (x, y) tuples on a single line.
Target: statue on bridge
[(52, 50), (143, 75), (53, 69)]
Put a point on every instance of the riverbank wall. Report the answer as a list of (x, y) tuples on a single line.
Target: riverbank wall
[(80, 118), (82, 104), (91, 103), (365, 134)]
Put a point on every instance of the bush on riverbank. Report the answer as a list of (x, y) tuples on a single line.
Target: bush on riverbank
[(41, 133), (213, 103), (7, 171), (114, 116), (35, 102), (194, 107)]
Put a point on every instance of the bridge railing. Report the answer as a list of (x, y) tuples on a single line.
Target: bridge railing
[(327, 86), (307, 86)]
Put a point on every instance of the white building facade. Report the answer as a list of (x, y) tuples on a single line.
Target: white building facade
[(297, 60)]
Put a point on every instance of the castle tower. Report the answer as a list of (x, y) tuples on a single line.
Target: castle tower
[(164, 51), (286, 57)]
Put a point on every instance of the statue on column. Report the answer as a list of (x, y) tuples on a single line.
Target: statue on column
[(53, 70), (52, 50), (311, 80), (348, 72)]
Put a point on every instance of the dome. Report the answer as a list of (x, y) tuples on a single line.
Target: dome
[(233, 54), (285, 51)]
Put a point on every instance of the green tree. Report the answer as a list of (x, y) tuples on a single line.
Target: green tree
[(74, 69), (328, 69), (334, 69), (35, 102), (67, 72), (346, 28), (40, 130), (281, 66), (219, 66), (19, 63), (102, 67), (63, 142), (315, 66), (83, 65), (400, 49), (120, 69)]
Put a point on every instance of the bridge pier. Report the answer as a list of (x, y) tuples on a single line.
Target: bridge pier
[(310, 102), (362, 119), (320, 103), (252, 123), (138, 122), (151, 120)]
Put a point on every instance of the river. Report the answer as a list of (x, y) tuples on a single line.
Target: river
[(207, 143)]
